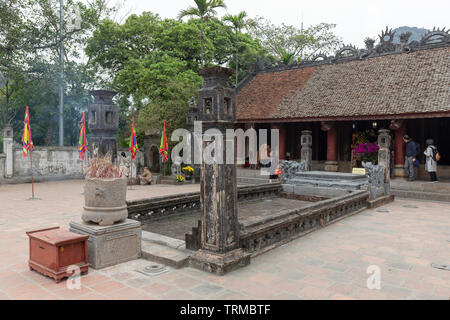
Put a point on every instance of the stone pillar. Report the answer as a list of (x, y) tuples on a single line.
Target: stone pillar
[(399, 127), (306, 143), (8, 150), (384, 142), (103, 122), (220, 249), (331, 164)]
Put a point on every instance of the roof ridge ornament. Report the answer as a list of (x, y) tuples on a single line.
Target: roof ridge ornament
[(433, 39), (435, 36)]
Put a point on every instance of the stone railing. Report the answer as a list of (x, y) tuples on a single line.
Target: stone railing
[(280, 227), (156, 208)]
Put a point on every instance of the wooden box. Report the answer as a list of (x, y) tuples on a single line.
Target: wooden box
[(53, 250)]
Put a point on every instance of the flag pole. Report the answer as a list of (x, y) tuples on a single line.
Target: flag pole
[(131, 173), (32, 176)]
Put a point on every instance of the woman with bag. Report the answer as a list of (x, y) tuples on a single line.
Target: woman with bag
[(431, 163)]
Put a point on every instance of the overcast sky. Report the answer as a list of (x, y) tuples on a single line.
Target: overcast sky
[(355, 19)]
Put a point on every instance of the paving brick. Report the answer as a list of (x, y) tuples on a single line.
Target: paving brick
[(328, 264)]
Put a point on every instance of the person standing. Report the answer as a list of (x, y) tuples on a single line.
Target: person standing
[(410, 158), (431, 163)]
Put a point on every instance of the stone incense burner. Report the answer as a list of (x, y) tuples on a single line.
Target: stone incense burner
[(105, 201)]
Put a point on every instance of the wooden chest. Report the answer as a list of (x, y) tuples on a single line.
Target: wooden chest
[(53, 250)]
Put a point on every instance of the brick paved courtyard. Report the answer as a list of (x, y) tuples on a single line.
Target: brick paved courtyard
[(328, 264)]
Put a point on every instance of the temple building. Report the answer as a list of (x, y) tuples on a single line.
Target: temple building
[(403, 87)]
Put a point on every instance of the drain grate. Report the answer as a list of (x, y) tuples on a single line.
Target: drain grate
[(440, 266), (153, 270), (383, 210)]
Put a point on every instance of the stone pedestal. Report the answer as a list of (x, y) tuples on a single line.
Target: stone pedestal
[(399, 171), (8, 150), (219, 263), (110, 245), (331, 166)]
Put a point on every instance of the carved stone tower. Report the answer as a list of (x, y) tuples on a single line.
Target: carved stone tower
[(384, 142), (220, 249), (103, 122), (306, 153)]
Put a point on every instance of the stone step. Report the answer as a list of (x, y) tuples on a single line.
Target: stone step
[(347, 185), (165, 250), (248, 173), (249, 180), (421, 195), (330, 176)]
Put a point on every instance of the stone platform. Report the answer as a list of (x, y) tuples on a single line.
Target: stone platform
[(322, 179), (110, 245)]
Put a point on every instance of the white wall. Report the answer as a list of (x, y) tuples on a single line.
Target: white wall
[(49, 162), (2, 166)]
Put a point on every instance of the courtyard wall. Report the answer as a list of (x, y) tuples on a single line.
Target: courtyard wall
[(48, 163)]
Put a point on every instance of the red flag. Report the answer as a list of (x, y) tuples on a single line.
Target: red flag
[(163, 148), (133, 147), (26, 137), (82, 141)]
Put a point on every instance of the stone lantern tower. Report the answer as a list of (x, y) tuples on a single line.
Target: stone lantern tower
[(103, 121), (384, 142), (220, 249), (306, 153)]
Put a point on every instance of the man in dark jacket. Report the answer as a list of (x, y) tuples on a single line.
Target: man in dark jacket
[(410, 157)]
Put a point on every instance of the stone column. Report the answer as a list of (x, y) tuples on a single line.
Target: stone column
[(8, 150), (331, 164), (306, 143), (384, 142), (220, 248), (399, 127)]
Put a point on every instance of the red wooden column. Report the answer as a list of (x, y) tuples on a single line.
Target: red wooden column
[(332, 147), (399, 127), (282, 140)]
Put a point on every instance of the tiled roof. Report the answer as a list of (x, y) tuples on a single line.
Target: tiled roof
[(392, 84)]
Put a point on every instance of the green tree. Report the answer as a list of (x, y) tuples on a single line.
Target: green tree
[(29, 62), (204, 10), (238, 22), (289, 42)]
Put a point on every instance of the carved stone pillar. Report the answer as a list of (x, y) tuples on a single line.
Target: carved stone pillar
[(331, 164), (103, 122), (306, 143), (8, 150), (384, 142), (399, 127), (220, 249)]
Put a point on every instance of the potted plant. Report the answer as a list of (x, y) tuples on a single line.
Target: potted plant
[(105, 192), (366, 152), (180, 178), (188, 172)]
